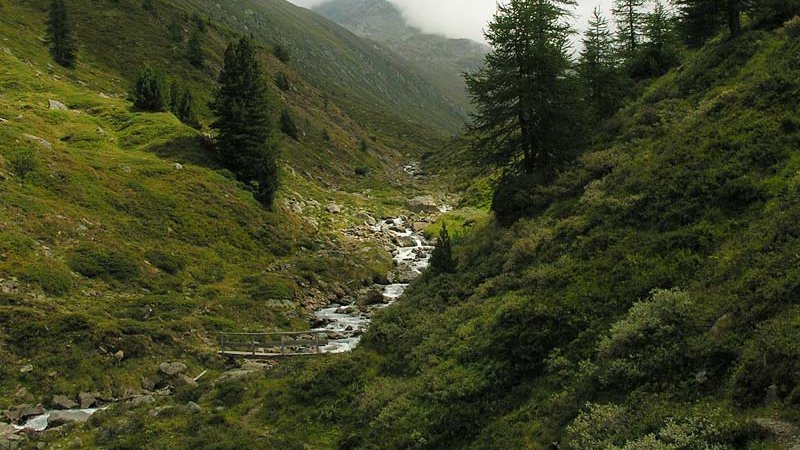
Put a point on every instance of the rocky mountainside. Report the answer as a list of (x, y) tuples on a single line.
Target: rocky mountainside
[(441, 60)]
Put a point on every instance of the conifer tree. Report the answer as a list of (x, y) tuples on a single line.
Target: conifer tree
[(442, 260), (175, 31), (183, 105), (149, 92), (246, 142), (524, 95), (288, 126), (629, 17), (703, 18), (59, 34), (194, 50), (599, 67)]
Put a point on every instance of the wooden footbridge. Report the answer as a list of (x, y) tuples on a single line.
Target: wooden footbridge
[(272, 345)]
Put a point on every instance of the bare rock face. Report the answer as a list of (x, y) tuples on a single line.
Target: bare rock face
[(172, 368)]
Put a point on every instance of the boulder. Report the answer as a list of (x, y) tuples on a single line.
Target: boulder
[(142, 399), (420, 226), (39, 141), (58, 418), (333, 208), (58, 106), (372, 297), (193, 408), (423, 204), (27, 368), (178, 166), (87, 400), (3, 120), (772, 397), (64, 402), (19, 414), (184, 380), (172, 368)]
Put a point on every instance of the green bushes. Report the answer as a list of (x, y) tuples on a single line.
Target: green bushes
[(168, 262), (53, 277), (105, 263), (649, 342), (149, 92), (771, 359), (23, 162)]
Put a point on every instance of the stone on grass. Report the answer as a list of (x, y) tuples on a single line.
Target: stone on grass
[(39, 141), (333, 208), (172, 368), (58, 106)]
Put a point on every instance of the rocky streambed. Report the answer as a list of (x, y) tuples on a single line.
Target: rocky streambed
[(344, 324)]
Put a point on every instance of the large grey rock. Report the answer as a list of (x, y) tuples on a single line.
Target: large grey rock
[(58, 418), (87, 400), (172, 368), (423, 204), (58, 106), (772, 397), (64, 402), (193, 408), (333, 208)]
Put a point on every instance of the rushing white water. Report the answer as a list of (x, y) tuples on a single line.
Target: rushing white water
[(346, 324)]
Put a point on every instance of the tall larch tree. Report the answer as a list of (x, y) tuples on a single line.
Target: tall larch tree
[(629, 16), (525, 94), (599, 67), (246, 140), (59, 34)]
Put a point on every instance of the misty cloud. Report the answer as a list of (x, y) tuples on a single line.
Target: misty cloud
[(462, 18)]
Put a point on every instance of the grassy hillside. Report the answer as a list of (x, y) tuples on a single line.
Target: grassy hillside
[(441, 60), (371, 83), (650, 302), (122, 242)]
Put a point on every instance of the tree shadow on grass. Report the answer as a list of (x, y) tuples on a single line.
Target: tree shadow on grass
[(196, 150)]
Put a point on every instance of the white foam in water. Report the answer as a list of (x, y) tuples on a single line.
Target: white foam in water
[(415, 258)]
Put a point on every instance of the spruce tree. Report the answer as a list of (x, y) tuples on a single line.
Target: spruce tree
[(59, 34), (194, 50), (703, 18), (442, 260), (246, 142), (525, 97), (288, 126), (660, 50), (149, 91), (629, 17), (183, 105), (599, 68)]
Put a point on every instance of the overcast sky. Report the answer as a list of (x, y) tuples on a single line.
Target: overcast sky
[(462, 18)]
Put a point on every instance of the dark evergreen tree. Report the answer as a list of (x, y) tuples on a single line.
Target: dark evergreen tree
[(149, 92), (288, 126), (282, 81), (771, 13), (246, 141), (660, 50), (702, 19), (183, 105), (525, 97), (59, 34), (629, 16), (194, 50), (148, 5), (442, 260), (599, 68)]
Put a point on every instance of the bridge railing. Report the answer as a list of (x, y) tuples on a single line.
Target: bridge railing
[(272, 344)]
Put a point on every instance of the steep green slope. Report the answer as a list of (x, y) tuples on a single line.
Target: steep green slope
[(650, 302), (367, 80), (443, 61), (122, 242)]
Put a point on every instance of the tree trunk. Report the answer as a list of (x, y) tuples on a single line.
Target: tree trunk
[(734, 17)]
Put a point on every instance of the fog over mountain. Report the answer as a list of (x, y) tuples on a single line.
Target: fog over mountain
[(462, 18)]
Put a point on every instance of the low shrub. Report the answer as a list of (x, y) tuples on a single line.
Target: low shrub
[(106, 263), (53, 277)]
